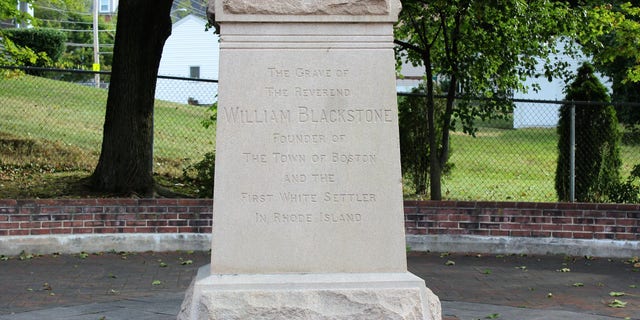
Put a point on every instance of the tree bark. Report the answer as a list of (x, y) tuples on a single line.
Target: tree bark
[(126, 160), (435, 168)]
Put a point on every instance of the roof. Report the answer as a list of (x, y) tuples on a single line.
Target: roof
[(189, 17)]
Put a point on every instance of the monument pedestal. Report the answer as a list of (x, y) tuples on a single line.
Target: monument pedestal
[(309, 296), (307, 216)]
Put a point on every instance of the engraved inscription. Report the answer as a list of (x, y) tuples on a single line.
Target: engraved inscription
[(307, 92), (289, 149), (341, 217), (298, 197), (344, 115), (351, 158), (254, 157), (323, 177), (279, 72), (316, 178), (303, 72), (276, 92), (303, 218), (306, 114), (349, 197), (290, 158), (299, 138), (255, 116), (256, 198)]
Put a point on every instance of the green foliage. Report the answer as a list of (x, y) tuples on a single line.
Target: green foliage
[(49, 41), (481, 49), (597, 139), (212, 116), (9, 10), (75, 16), (611, 35), (613, 31), (15, 55), (201, 174), (627, 191), (414, 142)]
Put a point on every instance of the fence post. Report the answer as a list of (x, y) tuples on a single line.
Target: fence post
[(572, 154), (96, 45)]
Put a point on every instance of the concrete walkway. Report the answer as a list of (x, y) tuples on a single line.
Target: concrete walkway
[(114, 286)]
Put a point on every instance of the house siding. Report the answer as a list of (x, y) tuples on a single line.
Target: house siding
[(189, 46)]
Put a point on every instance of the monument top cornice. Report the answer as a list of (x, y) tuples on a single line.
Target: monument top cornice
[(347, 11)]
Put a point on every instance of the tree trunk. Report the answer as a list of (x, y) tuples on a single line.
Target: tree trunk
[(435, 169), (126, 160)]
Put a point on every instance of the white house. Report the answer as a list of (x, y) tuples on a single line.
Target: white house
[(541, 115), (107, 7), (190, 52), (525, 114)]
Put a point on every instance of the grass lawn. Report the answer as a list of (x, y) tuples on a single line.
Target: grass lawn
[(511, 165), (503, 165), (73, 115), (51, 131)]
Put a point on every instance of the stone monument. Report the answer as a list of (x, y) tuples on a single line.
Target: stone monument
[(308, 220)]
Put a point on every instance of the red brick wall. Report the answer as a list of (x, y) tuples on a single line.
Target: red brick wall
[(516, 219), (524, 219), (84, 216)]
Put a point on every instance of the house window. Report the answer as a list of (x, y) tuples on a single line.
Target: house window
[(105, 6), (194, 72)]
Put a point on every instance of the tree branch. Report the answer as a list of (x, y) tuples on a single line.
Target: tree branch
[(408, 46)]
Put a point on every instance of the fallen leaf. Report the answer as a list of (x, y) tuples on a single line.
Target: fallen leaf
[(156, 282), (578, 284), (450, 263), (616, 294), (617, 304)]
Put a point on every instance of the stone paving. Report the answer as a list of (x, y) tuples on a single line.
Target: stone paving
[(577, 284), (150, 285)]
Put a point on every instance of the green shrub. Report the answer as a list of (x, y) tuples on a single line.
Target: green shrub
[(414, 140), (201, 174), (15, 55), (631, 135), (49, 41), (628, 191), (597, 141)]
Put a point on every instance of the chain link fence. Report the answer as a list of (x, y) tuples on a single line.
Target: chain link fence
[(515, 158), (56, 117), (60, 113)]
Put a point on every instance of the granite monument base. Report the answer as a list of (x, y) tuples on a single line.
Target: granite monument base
[(309, 296)]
